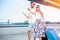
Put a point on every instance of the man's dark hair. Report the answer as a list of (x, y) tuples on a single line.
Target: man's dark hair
[(31, 2)]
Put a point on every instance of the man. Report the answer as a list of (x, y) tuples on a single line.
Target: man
[(31, 18)]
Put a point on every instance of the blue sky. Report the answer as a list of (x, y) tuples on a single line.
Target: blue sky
[(12, 10)]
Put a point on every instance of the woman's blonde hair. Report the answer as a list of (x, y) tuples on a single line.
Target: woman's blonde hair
[(37, 6)]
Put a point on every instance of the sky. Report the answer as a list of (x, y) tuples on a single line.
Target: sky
[(13, 10)]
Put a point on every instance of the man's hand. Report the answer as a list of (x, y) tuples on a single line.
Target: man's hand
[(27, 17), (28, 9)]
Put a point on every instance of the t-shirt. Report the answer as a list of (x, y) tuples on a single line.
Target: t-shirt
[(32, 16), (38, 15)]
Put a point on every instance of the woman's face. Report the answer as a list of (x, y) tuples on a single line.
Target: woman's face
[(37, 8)]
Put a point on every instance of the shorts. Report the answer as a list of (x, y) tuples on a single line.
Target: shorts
[(30, 26)]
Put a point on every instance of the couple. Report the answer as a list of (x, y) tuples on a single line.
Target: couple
[(35, 16)]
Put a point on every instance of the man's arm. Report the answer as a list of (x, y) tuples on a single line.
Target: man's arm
[(26, 16)]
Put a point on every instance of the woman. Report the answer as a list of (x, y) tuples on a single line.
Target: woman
[(39, 14), (39, 25)]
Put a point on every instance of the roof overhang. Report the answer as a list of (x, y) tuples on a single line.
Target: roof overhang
[(52, 3)]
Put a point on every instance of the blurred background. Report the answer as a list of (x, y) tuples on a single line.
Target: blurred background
[(14, 25)]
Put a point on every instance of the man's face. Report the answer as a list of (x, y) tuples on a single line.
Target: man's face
[(32, 5)]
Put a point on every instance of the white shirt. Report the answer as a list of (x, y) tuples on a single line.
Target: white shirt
[(38, 15), (32, 16)]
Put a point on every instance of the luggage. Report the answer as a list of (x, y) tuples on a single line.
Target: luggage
[(52, 34)]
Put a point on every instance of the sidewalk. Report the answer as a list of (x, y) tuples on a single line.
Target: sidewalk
[(16, 37)]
